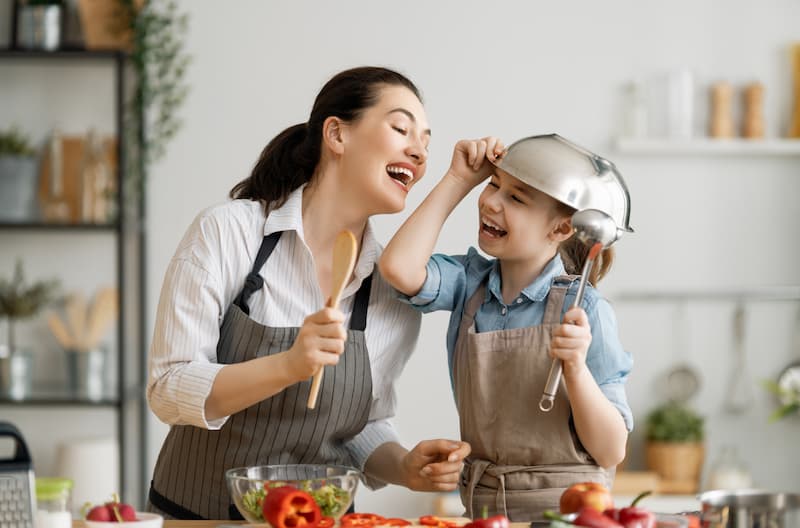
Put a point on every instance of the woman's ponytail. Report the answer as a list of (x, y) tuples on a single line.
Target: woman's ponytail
[(286, 163), (291, 158), (574, 253)]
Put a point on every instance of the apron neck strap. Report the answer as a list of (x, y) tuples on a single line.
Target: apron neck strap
[(254, 282), (556, 297)]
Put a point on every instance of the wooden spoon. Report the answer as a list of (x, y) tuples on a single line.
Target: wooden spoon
[(345, 249)]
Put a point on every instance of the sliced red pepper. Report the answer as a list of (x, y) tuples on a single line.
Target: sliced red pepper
[(326, 522), (289, 507), (360, 520), (394, 521), (432, 520), (497, 521)]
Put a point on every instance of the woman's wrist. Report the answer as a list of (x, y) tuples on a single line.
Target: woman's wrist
[(458, 183)]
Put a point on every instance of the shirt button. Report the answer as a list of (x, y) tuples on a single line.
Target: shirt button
[(503, 310), (519, 300)]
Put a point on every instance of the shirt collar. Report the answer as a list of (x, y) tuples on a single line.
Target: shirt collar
[(289, 217), (535, 291)]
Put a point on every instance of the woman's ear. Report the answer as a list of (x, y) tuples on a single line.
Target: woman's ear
[(333, 134), (562, 229)]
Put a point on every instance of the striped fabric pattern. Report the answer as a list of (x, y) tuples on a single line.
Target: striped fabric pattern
[(208, 271)]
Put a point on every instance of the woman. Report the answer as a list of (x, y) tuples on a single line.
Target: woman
[(234, 346)]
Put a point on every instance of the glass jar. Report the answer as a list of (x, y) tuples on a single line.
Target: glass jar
[(53, 502)]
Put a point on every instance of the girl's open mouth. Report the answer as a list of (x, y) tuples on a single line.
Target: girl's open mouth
[(491, 229)]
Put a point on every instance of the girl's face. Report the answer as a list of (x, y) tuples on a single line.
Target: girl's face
[(518, 222), (385, 151)]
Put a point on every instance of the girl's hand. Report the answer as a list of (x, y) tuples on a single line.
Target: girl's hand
[(319, 343), (470, 163), (571, 339), (435, 465)]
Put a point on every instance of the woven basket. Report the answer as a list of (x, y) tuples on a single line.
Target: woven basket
[(676, 461)]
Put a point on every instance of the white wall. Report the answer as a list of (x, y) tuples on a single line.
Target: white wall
[(516, 68)]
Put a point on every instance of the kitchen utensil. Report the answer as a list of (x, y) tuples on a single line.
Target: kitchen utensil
[(597, 230), (740, 391), (245, 484), (682, 380), (60, 331), (101, 314), (570, 174), (788, 381), (17, 483), (750, 509), (345, 249), (76, 315)]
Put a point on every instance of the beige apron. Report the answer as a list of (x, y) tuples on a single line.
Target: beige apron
[(522, 458)]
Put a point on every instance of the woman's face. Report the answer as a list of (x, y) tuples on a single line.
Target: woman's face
[(516, 220), (386, 150)]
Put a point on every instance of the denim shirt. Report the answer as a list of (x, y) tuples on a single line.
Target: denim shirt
[(452, 279)]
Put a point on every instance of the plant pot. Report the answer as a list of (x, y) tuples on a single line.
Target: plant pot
[(15, 373), (18, 185), (679, 463), (86, 371)]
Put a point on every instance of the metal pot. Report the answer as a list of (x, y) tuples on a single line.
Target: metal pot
[(750, 509)]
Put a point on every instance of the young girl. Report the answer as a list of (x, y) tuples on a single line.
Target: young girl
[(509, 319)]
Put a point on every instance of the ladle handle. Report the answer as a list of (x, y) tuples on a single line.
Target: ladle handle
[(547, 400)]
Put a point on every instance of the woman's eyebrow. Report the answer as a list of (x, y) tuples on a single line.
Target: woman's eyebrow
[(410, 116)]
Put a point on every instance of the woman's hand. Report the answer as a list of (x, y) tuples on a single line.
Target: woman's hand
[(319, 343), (471, 159), (571, 339), (435, 465)]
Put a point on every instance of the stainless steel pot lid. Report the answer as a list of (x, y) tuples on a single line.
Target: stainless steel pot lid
[(570, 174)]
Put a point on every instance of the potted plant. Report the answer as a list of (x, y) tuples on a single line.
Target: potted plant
[(19, 301), (674, 446), (18, 176)]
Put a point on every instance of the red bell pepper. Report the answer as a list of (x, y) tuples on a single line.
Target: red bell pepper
[(289, 507), (393, 521), (633, 516), (326, 522), (432, 520), (592, 518)]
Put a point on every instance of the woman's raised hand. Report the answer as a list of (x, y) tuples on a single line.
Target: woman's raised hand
[(471, 159), (320, 342)]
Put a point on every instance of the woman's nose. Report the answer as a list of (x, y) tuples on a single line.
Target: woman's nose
[(416, 150)]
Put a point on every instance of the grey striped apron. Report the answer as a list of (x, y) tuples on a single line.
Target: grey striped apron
[(522, 458), (189, 478)]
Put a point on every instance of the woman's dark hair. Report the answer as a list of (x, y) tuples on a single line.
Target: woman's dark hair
[(289, 160), (574, 253)]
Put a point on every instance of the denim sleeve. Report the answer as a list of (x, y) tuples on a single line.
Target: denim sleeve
[(607, 360), (444, 284)]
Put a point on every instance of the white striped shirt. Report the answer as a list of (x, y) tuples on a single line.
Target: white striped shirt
[(208, 272)]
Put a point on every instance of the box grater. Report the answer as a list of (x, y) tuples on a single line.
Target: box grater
[(17, 484)]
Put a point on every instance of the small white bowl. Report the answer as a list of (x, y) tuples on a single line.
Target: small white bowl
[(144, 520)]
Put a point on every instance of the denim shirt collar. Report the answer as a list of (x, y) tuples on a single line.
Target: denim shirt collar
[(535, 291)]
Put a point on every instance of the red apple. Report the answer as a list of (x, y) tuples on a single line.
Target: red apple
[(101, 514), (585, 495)]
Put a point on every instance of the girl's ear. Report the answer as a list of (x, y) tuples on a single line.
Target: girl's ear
[(562, 229), (333, 134)]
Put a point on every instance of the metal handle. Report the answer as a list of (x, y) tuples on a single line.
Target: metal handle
[(547, 400)]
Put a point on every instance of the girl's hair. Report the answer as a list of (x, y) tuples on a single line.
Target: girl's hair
[(574, 252), (290, 159)]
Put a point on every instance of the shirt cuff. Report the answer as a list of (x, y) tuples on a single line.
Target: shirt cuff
[(430, 288), (194, 387), (361, 446), (615, 392)]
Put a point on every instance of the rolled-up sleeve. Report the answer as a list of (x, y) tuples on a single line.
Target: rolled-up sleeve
[(607, 360), (361, 446), (444, 284), (182, 361)]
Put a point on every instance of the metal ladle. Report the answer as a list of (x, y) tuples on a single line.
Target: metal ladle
[(597, 230)]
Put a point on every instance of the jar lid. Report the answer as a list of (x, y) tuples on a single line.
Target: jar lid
[(49, 488)]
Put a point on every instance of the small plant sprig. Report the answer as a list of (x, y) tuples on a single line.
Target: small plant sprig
[(14, 143), (790, 401), (20, 301)]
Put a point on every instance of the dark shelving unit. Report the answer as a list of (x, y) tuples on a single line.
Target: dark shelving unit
[(128, 231)]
